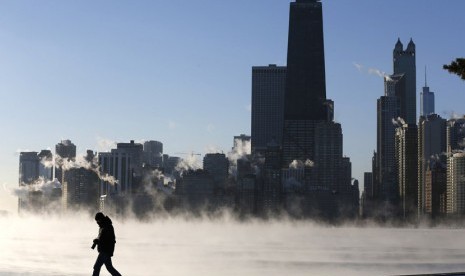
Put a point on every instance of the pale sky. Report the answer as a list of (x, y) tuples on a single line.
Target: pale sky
[(179, 71)]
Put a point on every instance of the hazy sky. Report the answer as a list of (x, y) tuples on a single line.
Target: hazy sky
[(180, 71)]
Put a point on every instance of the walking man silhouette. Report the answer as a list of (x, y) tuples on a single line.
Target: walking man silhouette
[(105, 245)]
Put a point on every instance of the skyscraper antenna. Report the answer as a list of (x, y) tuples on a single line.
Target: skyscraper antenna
[(426, 84)]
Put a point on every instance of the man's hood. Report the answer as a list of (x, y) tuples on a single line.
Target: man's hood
[(105, 221)]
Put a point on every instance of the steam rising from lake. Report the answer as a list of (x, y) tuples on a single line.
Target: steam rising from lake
[(175, 246)]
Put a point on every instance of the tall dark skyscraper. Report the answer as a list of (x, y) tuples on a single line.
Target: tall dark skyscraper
[(387, 111), (268, 86), (404, 63), (305, 85), (305, 103), (312, 160)]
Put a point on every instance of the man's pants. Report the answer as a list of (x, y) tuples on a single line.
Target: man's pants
[(104, 258)]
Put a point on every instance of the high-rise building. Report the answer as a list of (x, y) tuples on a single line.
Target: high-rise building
[(36, 169), (328, 158), (271, 190), (81, 186), (242, 143), (268, 86), (388, 110), (195, 191), (64, 151), (426, 101), (305, 83), (125, 164), (305, 95), (153, 154), (368, 184), (310, 137), (456, 184), (217, 165), (46, 165), (436, 189), (28, 168), (407, 169), (455, 135), (431, 144), (405, 64)]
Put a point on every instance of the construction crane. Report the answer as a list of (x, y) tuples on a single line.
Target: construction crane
[(192, 153)]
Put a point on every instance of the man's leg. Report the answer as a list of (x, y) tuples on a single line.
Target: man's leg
[(98, 264), (110, 267)]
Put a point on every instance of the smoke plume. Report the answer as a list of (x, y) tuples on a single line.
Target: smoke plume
[(299, 164)]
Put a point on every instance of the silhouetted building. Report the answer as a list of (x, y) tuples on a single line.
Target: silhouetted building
[(268, 86), (456, 185), (436, 189), (271, 190), (81, 187), (170, 163), (195, 191), (217, 165), (153, 154), (431, 144), (311, 140), (242, 142), (407, 169), (305, 82), (368, 184), (328, 158), (125, 164), (375, 169), (305, 95), (387, 111), (455, 135), (46, 165), (28, 175), (64, 151), (28, 168), (405, 64), (247, 197)]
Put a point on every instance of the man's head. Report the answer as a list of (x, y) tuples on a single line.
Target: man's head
[(99, 217)]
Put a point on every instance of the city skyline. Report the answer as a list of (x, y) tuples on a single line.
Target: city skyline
[(84, 117)]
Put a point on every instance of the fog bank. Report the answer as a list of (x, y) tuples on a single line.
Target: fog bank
[(175, 246)]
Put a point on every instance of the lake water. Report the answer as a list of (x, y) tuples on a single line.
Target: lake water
[(61, 246)]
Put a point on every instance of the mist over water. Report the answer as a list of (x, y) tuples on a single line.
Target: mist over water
[(176, 246)]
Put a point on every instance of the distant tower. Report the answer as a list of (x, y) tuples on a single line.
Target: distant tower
[(125, 164), (28, 168), (407, 166), (80, 186), (268, 86), (28, 174), (217, 166), (242, 143), (388, 109), (426, 100), (45, 165), (153, 153), (404, 63), (67, 151), (368, 184)]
